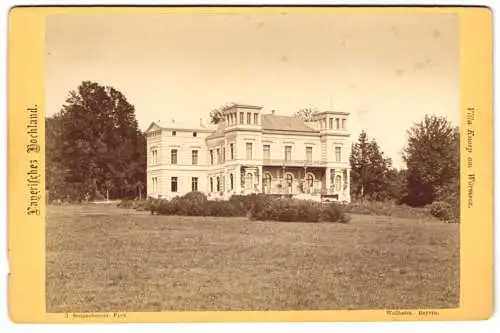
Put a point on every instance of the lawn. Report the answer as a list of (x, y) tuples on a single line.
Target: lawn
[(108, 259)]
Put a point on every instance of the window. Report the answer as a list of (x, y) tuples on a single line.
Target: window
[(218, 155), (194, 157), (255, 118), (242, 115), (223, 154), (249, 150), (249, 118), (211, 157), (154, 182), (231, 181), (338, 182), (195, 134), (194, 184), (288, 153), (343, 124), (218, 183), (309, 154), (173, 184), (154, 156), (173, 156), (223, 183), (174, 133), (267, 152), (211, 184), (330, 123), (231, 147), (337, 123), (338, 154)]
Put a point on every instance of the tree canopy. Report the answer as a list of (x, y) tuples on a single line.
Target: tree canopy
[(305, 114), (370, 170), (432, 158), (94, 146), (216, 115)]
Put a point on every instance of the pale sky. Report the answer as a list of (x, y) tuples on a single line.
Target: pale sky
[(387, 70)]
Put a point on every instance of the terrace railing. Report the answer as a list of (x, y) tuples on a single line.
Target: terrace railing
[(292, 162)]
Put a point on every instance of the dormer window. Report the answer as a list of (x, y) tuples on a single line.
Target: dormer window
[(174, 133), (195, 134)]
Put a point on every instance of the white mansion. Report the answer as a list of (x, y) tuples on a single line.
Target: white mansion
[(250, 152)]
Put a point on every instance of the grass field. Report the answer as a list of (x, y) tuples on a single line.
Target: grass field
[(108, 259)]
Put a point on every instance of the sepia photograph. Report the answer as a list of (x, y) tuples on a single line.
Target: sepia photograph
[(247, 161)]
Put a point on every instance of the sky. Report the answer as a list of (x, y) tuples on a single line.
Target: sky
[(386, 70)]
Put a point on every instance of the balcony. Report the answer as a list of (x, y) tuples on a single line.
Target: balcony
[(293, 163)]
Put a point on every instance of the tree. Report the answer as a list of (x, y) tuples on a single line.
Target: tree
[(217, 115), (95, 145), (432, 159), (305, 114), (370, 171)]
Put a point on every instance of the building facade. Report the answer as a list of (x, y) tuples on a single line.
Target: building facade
[(250, 152)]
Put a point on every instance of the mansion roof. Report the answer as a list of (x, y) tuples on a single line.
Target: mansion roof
[(271, 122), (284, 123)]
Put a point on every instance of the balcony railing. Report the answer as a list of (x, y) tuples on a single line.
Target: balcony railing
[(286, 162)]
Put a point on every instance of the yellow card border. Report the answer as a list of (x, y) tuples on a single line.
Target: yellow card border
[(26, 239)]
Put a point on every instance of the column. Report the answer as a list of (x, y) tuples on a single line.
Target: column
[(328, 179), (237, 180), (348, 189), (260, 179)]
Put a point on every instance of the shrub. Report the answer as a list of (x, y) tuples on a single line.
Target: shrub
[(292, 210), (125, 204), (192, 204), (222, 209), (333, 212), (443, 211), (143, 205)]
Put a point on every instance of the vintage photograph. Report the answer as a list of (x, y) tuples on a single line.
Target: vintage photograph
[(241, 161)]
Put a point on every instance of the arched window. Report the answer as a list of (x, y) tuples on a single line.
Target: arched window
[(211, 184), (267, 182), (231, 179), (338, 182), (218, 183)]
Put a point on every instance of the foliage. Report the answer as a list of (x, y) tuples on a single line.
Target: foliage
[(94, 147), (442, 210), (432, 158), (305, 114), (139, 205), (370, 170), (217, 114), (267, 208), (196, 204)]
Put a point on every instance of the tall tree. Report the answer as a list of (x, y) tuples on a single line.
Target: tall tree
[(370, 170), (100, 148), (305, 114), (432, 159)]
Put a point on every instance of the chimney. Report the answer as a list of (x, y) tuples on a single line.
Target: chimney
[(273, 112), (201, 122), (173, 120)]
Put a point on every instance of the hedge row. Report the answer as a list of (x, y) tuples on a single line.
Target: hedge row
[(257, 207)]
